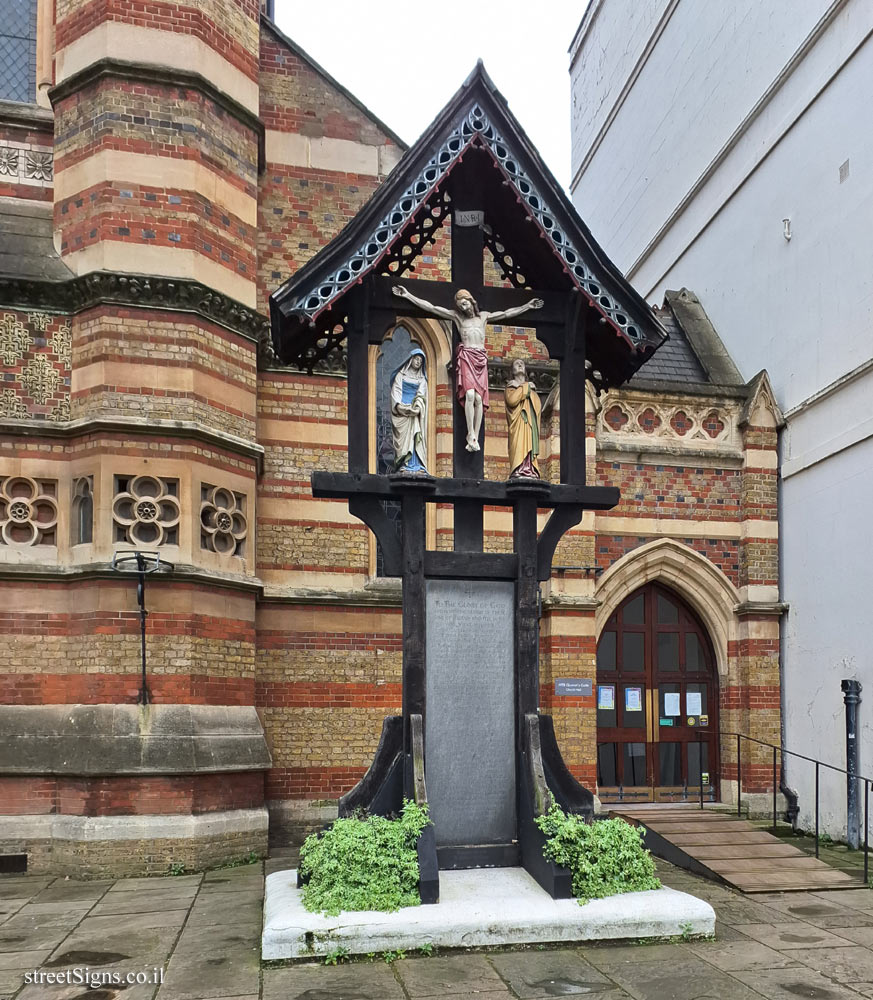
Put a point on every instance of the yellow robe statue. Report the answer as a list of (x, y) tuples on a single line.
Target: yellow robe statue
[(523, 410)]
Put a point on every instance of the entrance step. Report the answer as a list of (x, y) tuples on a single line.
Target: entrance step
[(727, 849)]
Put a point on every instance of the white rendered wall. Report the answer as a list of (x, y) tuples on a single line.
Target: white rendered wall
[(741, 115), (828, 571)]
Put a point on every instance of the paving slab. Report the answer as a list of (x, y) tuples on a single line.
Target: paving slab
[(741, 955), (70, 891), (35, 933), (477, 908), (532, 975), (725, 932), (860, 899), (361, 981), (477, 995), (79, 991), (214, 961), (73, 907), (431, 977), (9, 907), (228, 908), (689, 978), (744, 911), (789, 984), (792, 936), (857, 935), (234, 876), (23, 959), (135, 940), (11, 980), (843, 965), (614, 957), (133, 923), (826, 915), (159, 882), (31, 883), (171, 898)]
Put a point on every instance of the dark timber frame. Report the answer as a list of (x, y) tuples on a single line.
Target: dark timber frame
[(474, 158)]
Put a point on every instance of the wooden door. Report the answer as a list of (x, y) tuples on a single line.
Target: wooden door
[(657, 702)]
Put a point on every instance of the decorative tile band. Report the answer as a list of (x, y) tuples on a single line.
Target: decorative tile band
[(23, 163)]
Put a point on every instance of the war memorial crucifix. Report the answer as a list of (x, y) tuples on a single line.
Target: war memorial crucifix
[(470, 740)]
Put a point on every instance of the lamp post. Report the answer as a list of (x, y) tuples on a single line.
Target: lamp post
[(141, 563)]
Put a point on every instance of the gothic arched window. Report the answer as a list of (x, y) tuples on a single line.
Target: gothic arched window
[(18, 51)]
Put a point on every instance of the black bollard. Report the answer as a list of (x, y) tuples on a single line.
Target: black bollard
[(852, 697)]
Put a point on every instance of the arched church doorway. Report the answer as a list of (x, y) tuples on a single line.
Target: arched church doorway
[(657, 701)]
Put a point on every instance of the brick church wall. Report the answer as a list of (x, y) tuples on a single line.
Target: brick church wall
[(225, 166)]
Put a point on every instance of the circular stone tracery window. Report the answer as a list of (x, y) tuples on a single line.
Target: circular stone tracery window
[(146, 512), (28, 512), (223, 524)]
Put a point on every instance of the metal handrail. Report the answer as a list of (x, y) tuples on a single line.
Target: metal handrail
[(818, 765)]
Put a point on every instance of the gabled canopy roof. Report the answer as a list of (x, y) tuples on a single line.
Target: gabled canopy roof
[(529, 222)]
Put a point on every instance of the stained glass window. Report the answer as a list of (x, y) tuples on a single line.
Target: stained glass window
[(18, 51)]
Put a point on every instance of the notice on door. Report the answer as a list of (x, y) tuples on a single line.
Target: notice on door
[(671, 703), (693, 703), (633, 699), (606, 697)]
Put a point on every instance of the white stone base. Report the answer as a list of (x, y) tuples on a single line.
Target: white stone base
[(479, 907)]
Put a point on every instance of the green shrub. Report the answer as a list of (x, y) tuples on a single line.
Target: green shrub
[(364, 864), (606, 857)]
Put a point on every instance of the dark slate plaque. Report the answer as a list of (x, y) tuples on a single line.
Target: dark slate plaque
[(470, 727), (576, 687)]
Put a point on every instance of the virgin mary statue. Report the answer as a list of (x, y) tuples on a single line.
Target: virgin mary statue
[(409, 414)]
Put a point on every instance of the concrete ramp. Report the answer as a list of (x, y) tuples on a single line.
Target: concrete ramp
[(727, 849)]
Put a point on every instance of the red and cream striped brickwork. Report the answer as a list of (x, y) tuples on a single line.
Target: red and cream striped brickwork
[(191, 141)]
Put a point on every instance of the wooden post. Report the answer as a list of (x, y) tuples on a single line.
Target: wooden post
[(524, 525), (468, 248), (572, 392), (413, 510), (359, 383)]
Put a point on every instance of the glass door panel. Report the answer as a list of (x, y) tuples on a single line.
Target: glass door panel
[(668, 653), (670, 764), (607, 765), (634, 771), (698, 760), (633, 654)]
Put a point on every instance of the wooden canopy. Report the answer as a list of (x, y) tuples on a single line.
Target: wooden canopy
[(475, 158)]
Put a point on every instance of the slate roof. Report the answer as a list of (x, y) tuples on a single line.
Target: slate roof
[(694, 353), (674, 361), (26, 246)]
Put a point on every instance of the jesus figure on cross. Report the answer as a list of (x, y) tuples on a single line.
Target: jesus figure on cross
[(471, 360)]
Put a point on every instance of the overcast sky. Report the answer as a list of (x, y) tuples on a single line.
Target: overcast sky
[(404, 61)]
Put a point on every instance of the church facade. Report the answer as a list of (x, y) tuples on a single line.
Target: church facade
[(161, 174)]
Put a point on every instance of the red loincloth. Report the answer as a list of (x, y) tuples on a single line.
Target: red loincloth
[(472, 373)]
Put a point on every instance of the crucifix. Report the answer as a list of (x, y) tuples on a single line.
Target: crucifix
[(471, 740), (471, 357)]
